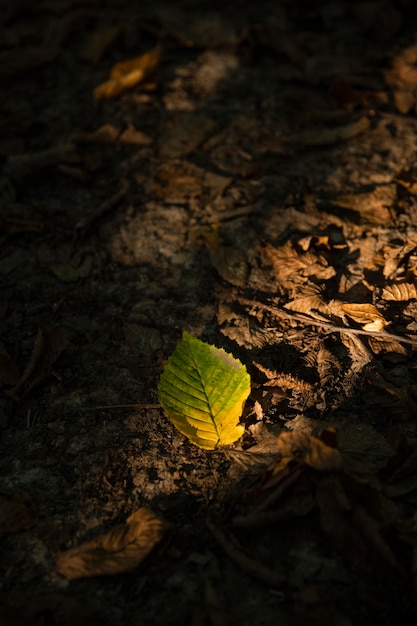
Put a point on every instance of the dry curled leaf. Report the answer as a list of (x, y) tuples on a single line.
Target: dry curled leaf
[(309, 451), (400, 292), (366, 315), (25, 59), (329, 135), (118, 551), (15, 516), (49, 344), (100, 40), (289, 264), (9, 373), (127, 74)]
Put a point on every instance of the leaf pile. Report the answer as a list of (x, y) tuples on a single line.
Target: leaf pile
[(347, 488)]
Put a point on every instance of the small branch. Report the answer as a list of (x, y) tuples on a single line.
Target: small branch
[(252, 567), (106, 407), (279, 312)]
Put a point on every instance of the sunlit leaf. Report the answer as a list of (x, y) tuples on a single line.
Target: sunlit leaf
[(127, 74), (367, 315), (400, 292), (202, 390)]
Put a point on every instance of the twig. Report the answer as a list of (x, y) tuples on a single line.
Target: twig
[(279, 312), (105, 407), (252, 567)]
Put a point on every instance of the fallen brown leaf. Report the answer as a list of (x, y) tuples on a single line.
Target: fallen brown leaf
[(327, 136), (400, 292), (118, 551), (365, 314), (20, 60), (99, 41), (9, 373), (308, 450), (15, 516), (183, 132), (49, 344), (67, 273)]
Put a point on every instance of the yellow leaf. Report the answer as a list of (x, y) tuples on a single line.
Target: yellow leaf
[(129, 73), (203, 390)]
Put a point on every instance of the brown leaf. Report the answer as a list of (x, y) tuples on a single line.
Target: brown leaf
[(15, 516), (373, 206), (21, 60), (9, 373), (400, 292), (309, 450), (307, 304), (366, 315), (363, 443), (49, 344), (67, 273), (329, 135), (378, 345), (127, 74), (288, 263), (101, 39), (134, 137), (231, 264), (208, 31), (118, 551), (183, 132), (354, 528), (22, 165)]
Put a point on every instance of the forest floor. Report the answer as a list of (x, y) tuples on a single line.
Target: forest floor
[(247, 174)]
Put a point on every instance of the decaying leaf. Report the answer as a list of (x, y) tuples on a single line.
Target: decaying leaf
[(329, 135), (374, 206), (94, 48), (127, 74), (400, 292), (307, 304), (67, 273), (353, 511), (208, 31), (21, 166), (366, 314), (25, 59), (379, 345), (9, 373), (15, 516), (118, 551), (183, 132), (202, 390), (308, 450), (49, 344), (230, 261), (291, 265)]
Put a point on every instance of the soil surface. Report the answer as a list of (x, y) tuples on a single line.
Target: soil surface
[(245, 173)]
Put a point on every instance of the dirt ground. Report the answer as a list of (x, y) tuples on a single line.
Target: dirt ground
[(249, 177)]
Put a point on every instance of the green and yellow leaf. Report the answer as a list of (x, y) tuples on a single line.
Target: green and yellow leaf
[(202, 391)]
